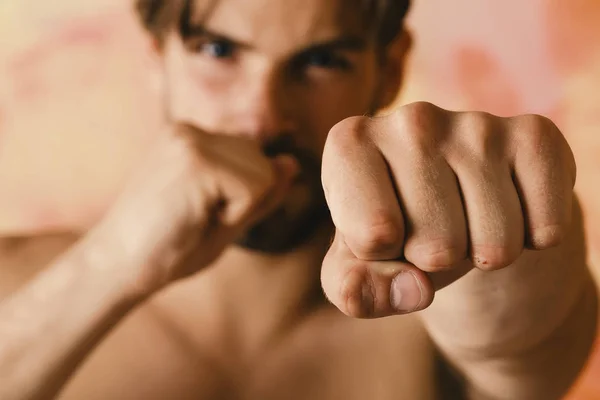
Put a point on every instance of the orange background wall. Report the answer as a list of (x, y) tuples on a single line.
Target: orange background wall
[(77, 106)]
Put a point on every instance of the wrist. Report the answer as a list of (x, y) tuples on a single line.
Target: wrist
[(535, 295), (111, 267), (141, 249)]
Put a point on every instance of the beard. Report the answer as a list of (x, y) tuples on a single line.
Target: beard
[(303, 212)]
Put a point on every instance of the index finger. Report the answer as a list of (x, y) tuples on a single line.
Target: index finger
[(360, 193)]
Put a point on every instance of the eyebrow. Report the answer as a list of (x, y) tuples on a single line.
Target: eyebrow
[(190, 31), (345, 43)]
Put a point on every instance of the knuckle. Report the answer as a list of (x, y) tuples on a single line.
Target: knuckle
[(436, 255), (416, 125), (417, 113), (341, 141), (357, 292), (535, 122), (186, 149), (380, 237), (535, 130), (256, 181), (185, 131), (481, 131), (538, 137), (492, 258), (349, 131), (538, 134), (191, 141), (250, 193), (547, 237)]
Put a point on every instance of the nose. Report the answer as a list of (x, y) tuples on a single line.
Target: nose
[(263, 110)]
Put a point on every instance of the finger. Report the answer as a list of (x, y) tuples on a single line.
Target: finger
[(436, 230), (286, 169), (443, 278), (493, 210), (545, 186), (360, 194), (372, 289)]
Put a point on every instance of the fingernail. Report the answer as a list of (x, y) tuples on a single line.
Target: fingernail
[(406, 293)]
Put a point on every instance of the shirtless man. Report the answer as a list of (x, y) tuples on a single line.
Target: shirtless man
[(474, 208)]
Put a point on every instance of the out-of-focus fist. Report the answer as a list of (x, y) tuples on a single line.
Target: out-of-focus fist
[(193, 196)]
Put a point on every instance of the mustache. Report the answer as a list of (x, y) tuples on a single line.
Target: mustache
[(310, 162), (283, 144)]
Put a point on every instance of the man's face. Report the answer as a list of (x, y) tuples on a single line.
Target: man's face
[(282, 72)]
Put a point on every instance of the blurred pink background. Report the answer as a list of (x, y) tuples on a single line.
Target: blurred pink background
[(77, 106)]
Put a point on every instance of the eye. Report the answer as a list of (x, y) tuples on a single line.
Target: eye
[(325, 59), (217, 48)]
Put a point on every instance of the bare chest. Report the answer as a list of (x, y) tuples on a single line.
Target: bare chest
[(329, 357), (338, 359)]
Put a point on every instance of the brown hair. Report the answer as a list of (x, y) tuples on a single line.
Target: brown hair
[(385, 16)]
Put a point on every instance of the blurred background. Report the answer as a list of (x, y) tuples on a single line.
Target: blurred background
[(77, 106)]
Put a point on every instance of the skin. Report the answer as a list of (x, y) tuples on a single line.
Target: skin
[(157, 300)]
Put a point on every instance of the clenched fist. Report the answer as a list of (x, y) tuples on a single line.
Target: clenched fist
[(195, 194), (423, 195)]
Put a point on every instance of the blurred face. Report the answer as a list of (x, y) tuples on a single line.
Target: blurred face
[(282, 72)]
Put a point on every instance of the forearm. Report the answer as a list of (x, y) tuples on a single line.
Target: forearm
[(545, 371), (50, 325), (523, 332)]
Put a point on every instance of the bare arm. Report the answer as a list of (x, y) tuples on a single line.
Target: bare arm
[(432, 198), (49, 325), (523, 332), (186, 204)]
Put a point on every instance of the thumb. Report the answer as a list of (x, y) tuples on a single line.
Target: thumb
[(373, 289)]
